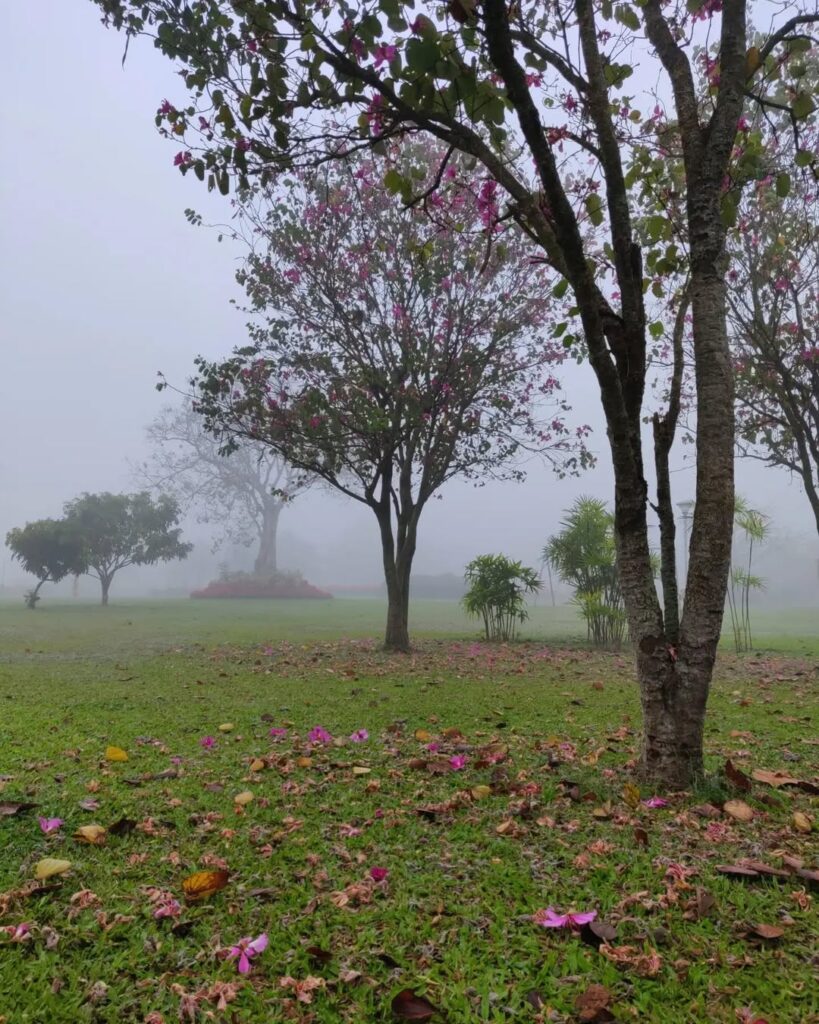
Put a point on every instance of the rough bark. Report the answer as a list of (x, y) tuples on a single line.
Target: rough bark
[(397, 559), (105, 585), (266, 562)]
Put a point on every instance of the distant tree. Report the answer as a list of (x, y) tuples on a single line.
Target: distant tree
[(583, 555), (773, 315), (391, 350), (50, 549), (243, 492), (118, 530), (497, 594)]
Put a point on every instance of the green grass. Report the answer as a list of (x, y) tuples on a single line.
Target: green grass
[(453, 918)]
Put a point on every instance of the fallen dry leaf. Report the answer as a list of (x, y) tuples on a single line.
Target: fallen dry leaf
[(737, 778), (8, 808), (243, 798), (593, 1005), (768, 932), (115, 754), (50, 866), (226, 727), (738, 810), (93, 834), (408, 1006), (802, 822), (257, 764), (202, 884)]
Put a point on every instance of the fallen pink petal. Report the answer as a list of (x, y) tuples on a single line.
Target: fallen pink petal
[(458, 761), (655, 801), (549, 918), (318, 734), (207, 742), (245, 949), (378, 874), (360, 736), (50, 825)]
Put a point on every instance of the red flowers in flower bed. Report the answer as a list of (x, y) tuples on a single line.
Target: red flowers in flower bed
[(284, 585)]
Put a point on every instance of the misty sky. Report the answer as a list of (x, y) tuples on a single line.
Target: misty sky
[(103, 282)]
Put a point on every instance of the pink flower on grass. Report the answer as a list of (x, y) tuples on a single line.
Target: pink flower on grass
[(378, 874), (433, 747), (50, 825), (654, 802), (17, 932), (359, 736), (549, 918), (277, 733), (207, 742), (318, 734), (457, 761), (245, 949), (167, 907)]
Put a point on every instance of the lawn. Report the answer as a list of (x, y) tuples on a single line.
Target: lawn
[(494, 783)]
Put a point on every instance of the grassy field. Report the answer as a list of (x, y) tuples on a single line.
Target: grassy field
[(493, 784)]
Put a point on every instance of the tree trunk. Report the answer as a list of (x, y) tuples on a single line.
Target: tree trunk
[(397, 560), (105, 583), (266, 563), (32, 597)]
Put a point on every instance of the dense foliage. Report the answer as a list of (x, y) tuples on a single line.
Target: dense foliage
[(497, 594)]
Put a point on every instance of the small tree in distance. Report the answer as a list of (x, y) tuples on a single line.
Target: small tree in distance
[(583, 554), (497, 594), (118, 530), (49, 549), (392, 351), (244, 492)]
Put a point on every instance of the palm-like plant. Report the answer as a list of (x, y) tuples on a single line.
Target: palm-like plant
[(583, 555), (755, 525), (497, 593)]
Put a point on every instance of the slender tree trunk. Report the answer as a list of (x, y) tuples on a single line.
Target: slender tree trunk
[(266, 563), (32, 596), (105, 584), (397, 560)]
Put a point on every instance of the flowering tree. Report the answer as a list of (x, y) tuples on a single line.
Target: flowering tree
[(773, 308), (538, 95), (391, 351), (244, 493)]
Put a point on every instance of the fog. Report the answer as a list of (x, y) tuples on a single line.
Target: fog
[(104, 283)]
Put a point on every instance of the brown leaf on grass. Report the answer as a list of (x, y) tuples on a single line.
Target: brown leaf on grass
[(10, 808), (802, 822), (593, 1005), (768, 932), (202, 884), (738, 810), (595, 933), (95, 835), (122, 826), (707, 811), (738, 871), (258, 764), (699, 906), (641, 837), (423, 736), (535, 999), (645, 964), (738, 779), (319, 955), (89, 804), (408, 1006)]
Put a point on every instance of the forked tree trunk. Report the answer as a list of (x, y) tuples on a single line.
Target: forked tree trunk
[(266, 563), (32, 597), (397, 559)]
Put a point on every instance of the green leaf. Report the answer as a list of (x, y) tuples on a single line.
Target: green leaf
[(627, 16), (594, 208), (422, 54), (308, 41), (656, 329), (783, 184), (560, 288), (393, 181), (804, 158), (803, 106)]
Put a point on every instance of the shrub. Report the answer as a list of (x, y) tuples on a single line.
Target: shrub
[(284, 585), (497, 589)]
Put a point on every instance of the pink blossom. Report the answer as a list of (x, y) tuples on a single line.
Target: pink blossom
[(183, 159), (655, 801), (207, 742), (204, 124), (549, 918), (359, 736), (293, 276), (166, 108), (50, 825), (252, 45), (243, 145), (167, 906), (433, 747), (457, 761), (17, 932), (384, 54), (277, 733), (378, 874), (245, 949), (318, 734), (743, 124), (781, 284)]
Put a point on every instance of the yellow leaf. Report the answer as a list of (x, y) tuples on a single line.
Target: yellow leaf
[(603, 813), (226, 727), (115, 754), (423, 735), (506, 828), (359, 769), (738, 809), (479, 792), (802, 822), (631, 795), (243, 798), (93, 834), (304, 762), (202, 884), (753, 61), (48, 867), (257, 764)]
